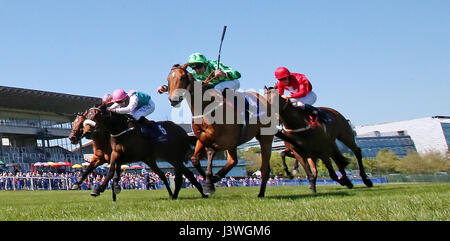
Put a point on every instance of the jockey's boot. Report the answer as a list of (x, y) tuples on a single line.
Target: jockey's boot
[(316, 113), (152, 130)]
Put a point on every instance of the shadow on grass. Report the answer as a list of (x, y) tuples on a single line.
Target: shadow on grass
[(310, 195)]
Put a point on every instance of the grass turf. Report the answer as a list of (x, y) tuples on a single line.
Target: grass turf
[(387, 202)]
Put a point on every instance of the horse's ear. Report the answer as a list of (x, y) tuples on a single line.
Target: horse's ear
[(265, 87), (184, 66)]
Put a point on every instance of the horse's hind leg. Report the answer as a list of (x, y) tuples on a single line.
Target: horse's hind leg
[(155, 168), (350, 143), (178, 182), (190, 176)]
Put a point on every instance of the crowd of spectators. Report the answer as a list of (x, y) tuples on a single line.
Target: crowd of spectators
[(47, 180)]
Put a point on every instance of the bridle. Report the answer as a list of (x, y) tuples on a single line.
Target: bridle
[(89, 121)]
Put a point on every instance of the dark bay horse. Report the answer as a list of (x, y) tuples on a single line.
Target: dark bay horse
[(218, 136), (101, 147), (129, 144), (317, 140)]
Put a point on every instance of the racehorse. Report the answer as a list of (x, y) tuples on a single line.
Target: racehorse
[(317, 140), (129, 144), (215, 136), (101, 147)]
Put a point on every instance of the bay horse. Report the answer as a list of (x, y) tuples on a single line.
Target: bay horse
[(216, 136), (129, 144), (101, 148), (317, 140)]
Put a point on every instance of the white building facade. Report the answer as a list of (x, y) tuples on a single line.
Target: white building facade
[(429, 134)]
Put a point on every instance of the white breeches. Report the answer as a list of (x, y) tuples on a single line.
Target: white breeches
[(231, 84), (144, 110), (309, 99)]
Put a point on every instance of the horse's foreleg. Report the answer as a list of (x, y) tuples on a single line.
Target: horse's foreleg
[(326, 161), (232, 161), (306, 166), (312, 163), (114, 159), (265, 142), (96, 161), (362, 172), (115, 185), (195, 159)]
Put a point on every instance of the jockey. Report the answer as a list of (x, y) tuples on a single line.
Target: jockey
[(301, 91), (224, 76), (107, 99), (137, 104)]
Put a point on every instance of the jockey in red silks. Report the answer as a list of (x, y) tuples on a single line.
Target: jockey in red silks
[(302, 95)]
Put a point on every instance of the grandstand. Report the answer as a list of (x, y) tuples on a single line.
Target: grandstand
[(34, 126)]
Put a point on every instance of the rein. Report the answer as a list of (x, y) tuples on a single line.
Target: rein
[(296, 130), (123, 132)]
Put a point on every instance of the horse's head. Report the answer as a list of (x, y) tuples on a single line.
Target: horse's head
[(93, 117), (77, 128), (180, 81), (275, 99)]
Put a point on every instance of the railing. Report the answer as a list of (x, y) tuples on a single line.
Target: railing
[(35, 183), (65, 183)]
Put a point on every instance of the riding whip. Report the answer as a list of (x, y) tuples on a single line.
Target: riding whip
[(220, 48)]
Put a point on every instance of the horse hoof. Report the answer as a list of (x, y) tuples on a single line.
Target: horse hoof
[(117, 189), (368, 182), (95, 193), (208, 188), (204, 196), (75, 187), (215, 179), (260, 195)]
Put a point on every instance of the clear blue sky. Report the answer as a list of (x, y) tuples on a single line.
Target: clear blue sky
[(374, 61)]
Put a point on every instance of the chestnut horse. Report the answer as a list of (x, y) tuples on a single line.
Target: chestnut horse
[(101, 147), (317, 140), (129, 144), (217, 136)]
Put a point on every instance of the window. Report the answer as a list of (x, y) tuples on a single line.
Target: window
[(446, 130), (5, 141)]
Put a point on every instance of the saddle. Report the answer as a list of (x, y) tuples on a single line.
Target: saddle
[(152, 130)]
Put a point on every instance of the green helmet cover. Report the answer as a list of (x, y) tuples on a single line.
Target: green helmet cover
[(197, 58)]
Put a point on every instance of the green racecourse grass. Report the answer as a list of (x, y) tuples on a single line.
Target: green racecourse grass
[(384, 202)]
